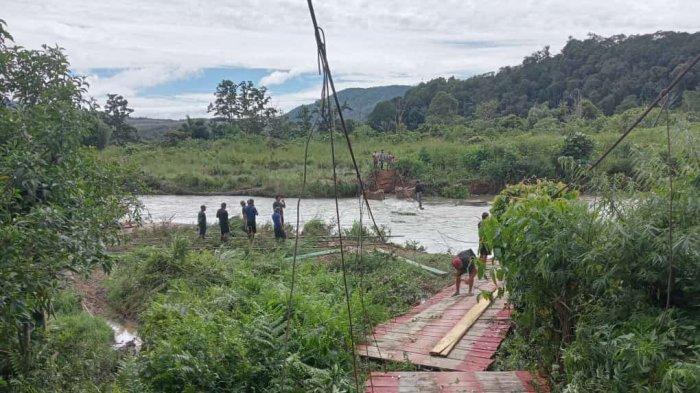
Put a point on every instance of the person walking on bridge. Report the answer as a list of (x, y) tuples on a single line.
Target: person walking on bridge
[(222, 215), (483, 250), (202, 222)]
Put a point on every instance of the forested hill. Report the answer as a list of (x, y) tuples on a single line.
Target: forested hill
[(152, 129), (613, 73), (359, 102)]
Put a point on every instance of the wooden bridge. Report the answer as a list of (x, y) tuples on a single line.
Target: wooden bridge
[(455, 336)]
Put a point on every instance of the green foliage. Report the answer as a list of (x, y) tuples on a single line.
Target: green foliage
[(98, 134), (243, 102), (589, 284), (486, 110), (458, 155), (691, 102), (74, 354), (59, 203), (223, 329), (115, 114), (383, 117), (607, 74), (317, 227), (196, 129), (579, 146), (443, 105)]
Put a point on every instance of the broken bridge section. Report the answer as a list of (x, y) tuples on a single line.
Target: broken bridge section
[(412, 336)]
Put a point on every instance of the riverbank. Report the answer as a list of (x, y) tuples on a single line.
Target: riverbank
[(443, 225), (452, 164)]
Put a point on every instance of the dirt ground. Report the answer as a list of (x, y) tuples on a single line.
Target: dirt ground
[(93, 292)]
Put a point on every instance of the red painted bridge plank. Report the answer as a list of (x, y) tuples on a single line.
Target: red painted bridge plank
[(413, 335), (429, 382)]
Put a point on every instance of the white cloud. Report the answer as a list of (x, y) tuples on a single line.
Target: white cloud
[(370, 42), (278, 77)]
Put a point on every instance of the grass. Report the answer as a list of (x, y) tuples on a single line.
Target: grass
[(450, 160), (219, 308)]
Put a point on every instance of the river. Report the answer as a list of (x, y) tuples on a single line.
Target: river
[(443, 226)]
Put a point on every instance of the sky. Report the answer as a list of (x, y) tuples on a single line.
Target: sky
[(166, 56)]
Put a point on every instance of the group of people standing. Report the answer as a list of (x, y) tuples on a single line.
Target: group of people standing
[(463, 263), (380, 158), (248, 213)]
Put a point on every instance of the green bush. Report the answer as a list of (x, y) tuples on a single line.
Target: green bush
[(75, 356), (317, 227), (589, 284)]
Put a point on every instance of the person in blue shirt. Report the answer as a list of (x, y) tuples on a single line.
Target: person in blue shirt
[(250, 213), (277, 221)]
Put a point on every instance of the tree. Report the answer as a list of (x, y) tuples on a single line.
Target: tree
[(691, 101), (608, 71), (243, 102), (196, 129), (486, 110), (588, 110), (226, 104), (59, 204), (115, 114), (304, 120), (99, 133), (579, 146), (383, 117), (443, 105)]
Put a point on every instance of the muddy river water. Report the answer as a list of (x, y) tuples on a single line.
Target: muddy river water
[(442, 226)]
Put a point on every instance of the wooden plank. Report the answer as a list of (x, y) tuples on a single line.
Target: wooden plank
[(451, 381), (414, 263), (445, 345), (313, 254)]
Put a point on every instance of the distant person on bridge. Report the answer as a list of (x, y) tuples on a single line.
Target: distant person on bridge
[(280, 204), (464, 262), (278, 224), (222, 215), (419, 190), (250, 213), (202, 221), (483, 250)]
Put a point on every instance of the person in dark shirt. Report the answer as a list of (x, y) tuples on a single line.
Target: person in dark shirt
[(202, 221), (483, 250), (245, 224), (464, 262), (280, 204), (279, 226), (250, 213), (419, 189), (222, 215)]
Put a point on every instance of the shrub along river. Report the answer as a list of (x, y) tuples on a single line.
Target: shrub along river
[(443, 226)]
